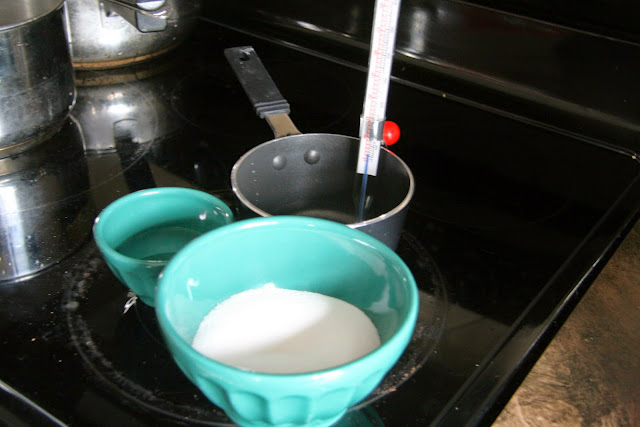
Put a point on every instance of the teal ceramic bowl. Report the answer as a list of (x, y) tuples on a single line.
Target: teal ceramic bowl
[(294, 253), (139, 233)]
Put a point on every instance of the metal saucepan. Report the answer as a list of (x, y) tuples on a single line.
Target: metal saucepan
[(313, 174), (36, 76)]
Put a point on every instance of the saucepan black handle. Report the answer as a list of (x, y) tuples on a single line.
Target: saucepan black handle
[(256, 81)]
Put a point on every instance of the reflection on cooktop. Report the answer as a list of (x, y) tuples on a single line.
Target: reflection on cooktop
[(45, 208), (211, 97)]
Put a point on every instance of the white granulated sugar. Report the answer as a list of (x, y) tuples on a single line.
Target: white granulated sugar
[(274, 330)]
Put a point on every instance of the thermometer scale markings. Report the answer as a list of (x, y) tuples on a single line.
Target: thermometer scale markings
[(380, 62)]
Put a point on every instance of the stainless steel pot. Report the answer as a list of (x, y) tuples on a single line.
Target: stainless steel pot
[(115, 33), (313, 174), (45, 205), (36, 74)]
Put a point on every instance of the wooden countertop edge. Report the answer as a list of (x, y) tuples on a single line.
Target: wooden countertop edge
[(590, 372)]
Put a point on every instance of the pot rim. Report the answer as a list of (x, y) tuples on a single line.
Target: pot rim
[(396, 210), (44, 8)]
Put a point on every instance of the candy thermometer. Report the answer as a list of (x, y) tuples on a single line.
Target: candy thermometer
[(383, 35)]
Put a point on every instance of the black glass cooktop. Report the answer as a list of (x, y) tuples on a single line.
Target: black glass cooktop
[(509, 224)]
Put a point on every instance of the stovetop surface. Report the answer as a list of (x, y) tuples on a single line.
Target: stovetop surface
[(509, 224)]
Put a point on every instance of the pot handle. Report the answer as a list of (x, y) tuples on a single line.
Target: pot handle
[(261, 90), (146, 15)]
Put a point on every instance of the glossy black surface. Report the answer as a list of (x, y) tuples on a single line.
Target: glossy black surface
[(581, 82), (509, 224), (613, 18)]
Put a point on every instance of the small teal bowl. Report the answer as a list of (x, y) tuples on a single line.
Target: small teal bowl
[(139, 233), (294, 253)]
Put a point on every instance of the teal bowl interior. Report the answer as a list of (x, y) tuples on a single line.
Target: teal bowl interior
[(137, 234), (294, 253)]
